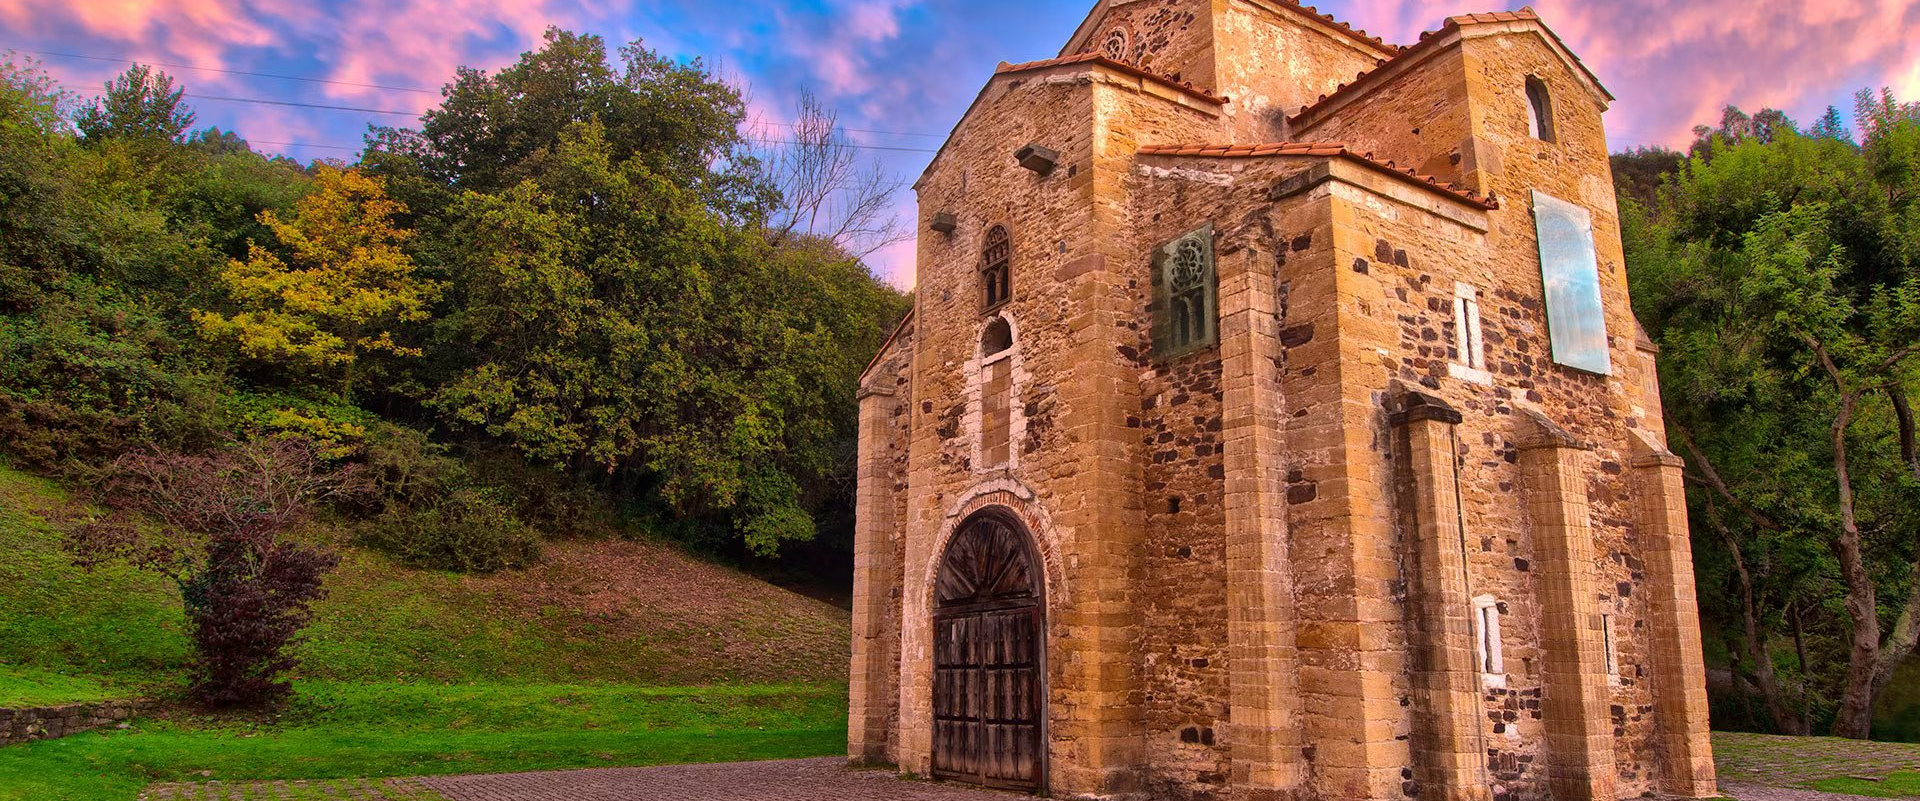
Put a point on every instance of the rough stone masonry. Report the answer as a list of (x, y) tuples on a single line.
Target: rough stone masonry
[(1310, 380)]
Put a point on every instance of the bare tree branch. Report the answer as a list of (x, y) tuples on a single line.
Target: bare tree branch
[(826, 193)]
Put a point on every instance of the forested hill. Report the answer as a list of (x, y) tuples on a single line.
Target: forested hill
[(569, 296)]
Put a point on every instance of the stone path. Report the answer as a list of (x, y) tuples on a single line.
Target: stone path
[(1741, 791), (819, 779)]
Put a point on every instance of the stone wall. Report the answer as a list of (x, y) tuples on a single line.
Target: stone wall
[(25, 724), (1170, 37), (1274, 60)]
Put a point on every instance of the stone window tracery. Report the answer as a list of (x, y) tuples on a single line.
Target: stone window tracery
[(1185, 311), (1114, 46), (996, 268)]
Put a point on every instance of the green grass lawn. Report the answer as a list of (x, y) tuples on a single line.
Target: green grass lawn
[(25, 686), (1829, 764), (594, 658), (340, 730), (1900, 784)]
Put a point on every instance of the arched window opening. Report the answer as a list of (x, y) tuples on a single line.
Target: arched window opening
[(996, 268), (1539, 110), (996, 393), (997, 337)]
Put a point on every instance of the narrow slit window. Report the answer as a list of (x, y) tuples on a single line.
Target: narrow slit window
[(1606, 641), (1491, 660), (996, 268), (1466, 327), (1539, 110)]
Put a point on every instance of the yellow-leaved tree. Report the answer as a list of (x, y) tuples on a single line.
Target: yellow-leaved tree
[(336, 289)]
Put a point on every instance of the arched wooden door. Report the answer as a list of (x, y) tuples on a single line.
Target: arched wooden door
[(988, 694)]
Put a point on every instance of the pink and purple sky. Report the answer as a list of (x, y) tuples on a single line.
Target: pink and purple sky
[(900, 72)]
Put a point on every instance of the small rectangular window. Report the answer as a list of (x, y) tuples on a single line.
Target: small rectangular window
[(1488, 613), (1466, 327)]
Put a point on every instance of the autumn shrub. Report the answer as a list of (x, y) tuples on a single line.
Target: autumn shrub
[(470, 531), (219, 526)]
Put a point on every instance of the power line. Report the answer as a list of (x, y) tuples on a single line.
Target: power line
[(229, 72), (297, 144), (295, 104), (328, 81), (303, 105), (842, 144)]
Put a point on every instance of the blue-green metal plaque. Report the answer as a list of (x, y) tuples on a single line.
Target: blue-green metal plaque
[(1576, 323)]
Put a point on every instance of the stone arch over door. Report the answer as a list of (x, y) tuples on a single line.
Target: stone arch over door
[(989, 655)]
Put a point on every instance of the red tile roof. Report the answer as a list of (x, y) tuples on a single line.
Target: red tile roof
[(1322, 150), (1525, 14), (1350, 31), (1120, 66)]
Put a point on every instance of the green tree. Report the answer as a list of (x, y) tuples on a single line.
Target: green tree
[(341, 292), (609, 319), (490, 131), (141, 104), (1773, 272)]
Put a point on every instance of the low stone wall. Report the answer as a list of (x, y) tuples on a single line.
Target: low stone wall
[(48, 722)]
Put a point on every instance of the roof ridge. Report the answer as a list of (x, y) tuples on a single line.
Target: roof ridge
[(1319, 149), (1455, 22), (1343, 27), (1103, 60)]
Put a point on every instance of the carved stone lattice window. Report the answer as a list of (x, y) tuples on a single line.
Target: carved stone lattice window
[(1186, 310), (1115, 45), (996, 268)]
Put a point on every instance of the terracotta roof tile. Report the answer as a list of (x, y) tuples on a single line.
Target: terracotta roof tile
[(1321, 150), (1096, 58), (1352, 32), (1525, 14)]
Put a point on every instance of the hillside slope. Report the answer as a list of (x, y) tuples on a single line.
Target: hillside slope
[(617, 611)]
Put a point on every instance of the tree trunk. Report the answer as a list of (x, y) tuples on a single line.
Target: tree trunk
[(1854, 718), (1905, 636), (1784, 720)]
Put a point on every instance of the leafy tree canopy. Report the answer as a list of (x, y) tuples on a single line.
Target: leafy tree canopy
[(141, 105)]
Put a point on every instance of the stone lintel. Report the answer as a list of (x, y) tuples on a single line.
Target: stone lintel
[(874, 391)]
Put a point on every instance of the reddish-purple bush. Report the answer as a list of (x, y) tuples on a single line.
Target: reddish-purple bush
[(217, 524)]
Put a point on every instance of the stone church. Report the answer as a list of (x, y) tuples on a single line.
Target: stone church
[(1272, 422)]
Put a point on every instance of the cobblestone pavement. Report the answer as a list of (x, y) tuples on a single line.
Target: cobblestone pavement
[(821, 779), (1741, 791), (305, 790)]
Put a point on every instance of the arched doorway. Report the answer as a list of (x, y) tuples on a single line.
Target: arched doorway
[(988, 654)]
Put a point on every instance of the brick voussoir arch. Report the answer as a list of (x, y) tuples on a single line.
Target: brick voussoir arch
[(1016, 500)]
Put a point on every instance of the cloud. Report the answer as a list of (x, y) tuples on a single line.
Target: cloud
[(197, 31)]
